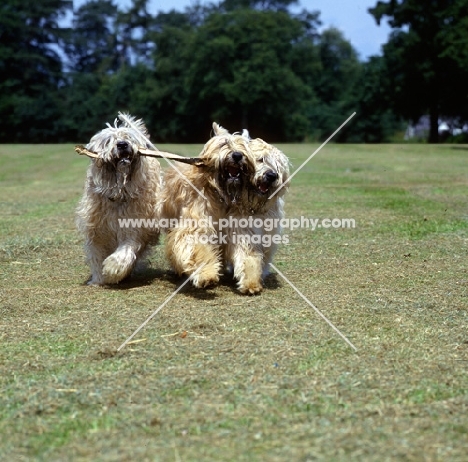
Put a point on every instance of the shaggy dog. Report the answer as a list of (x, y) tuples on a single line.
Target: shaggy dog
[(256, 243), (237, 176), (120, 184)]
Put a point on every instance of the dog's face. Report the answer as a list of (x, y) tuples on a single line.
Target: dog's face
[(230, 163), (117, 148), (271, 173), (271, 168)]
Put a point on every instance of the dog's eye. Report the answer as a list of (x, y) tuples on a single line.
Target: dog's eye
[(260, 160)]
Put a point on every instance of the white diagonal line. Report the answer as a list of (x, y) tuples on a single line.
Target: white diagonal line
[(313, 154), (173, 166), (314, 307), (184, 177), (168, 299)]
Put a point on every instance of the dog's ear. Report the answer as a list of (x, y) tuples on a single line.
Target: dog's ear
[(218, 130)]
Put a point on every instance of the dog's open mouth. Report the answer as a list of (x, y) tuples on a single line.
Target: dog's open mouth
[(266, 182), (234, 171), (124, 163), (264, 187), (123, 172), (125, 152)]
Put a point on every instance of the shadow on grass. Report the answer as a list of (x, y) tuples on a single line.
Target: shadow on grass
[(139, 278), (148, 276), (270, 283), (226, 281)]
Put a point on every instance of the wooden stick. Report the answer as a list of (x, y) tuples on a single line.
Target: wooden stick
[(168, 155), (82, 151)]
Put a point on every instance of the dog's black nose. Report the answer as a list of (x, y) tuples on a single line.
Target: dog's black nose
[(237, 156), (271, 176), (122, 144)]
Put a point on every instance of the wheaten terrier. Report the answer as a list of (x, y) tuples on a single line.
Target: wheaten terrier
[(257, 242), (120, 184), (209, 201)]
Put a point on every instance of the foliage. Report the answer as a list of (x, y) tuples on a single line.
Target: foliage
[(334, 85), (30, 68), (93, 46), (376, 121), (427, 55), (244, 71), (244, 63)]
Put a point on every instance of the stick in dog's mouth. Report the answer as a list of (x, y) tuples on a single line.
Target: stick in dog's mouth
[(168, 155), (82, 151)]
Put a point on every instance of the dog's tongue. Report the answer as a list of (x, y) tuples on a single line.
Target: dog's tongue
[(234, 172)]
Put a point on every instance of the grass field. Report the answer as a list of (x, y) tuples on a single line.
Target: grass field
[(217, 376)]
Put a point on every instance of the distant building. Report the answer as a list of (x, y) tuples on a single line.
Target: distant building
[(447, 127)]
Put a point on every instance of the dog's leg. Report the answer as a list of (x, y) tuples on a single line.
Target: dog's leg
[(120, 264), (209, 274), (95, 256), (187, 255), (248, 269), (269, 252)]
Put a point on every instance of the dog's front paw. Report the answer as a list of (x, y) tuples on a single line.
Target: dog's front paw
[(251, 288), (250, 275), (207, 277), (95, 282), (115, 270)]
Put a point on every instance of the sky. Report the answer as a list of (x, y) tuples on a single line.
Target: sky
[(349, 16)]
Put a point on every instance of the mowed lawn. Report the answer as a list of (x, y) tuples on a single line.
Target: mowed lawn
[(217, 376)]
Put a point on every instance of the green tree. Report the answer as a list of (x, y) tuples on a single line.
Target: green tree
[(94, 44), (246, 69), (166, 94), (30, 68), (134, 27), (426, 75), (335, 85), (376, 122), (94, 99), (272, 5)]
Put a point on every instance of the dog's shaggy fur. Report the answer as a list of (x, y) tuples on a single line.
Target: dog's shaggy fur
[(254, 257), (237, 176), (120, 184)]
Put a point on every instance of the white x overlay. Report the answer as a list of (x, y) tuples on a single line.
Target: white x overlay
[(314, 307), (271, 264), (168, 299), (184, 177), (313, 154)]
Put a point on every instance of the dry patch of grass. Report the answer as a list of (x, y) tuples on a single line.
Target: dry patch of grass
[(219, 376)]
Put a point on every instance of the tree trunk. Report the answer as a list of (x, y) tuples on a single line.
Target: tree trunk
[(434, 104), (434, 123)]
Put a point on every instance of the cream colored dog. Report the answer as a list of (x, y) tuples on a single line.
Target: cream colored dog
[(120, 184), (208, 201), (251, 256)]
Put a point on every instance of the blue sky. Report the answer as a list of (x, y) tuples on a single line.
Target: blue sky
[(350, 16)]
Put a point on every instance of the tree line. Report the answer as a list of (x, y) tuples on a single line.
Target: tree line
[(243, 63)]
